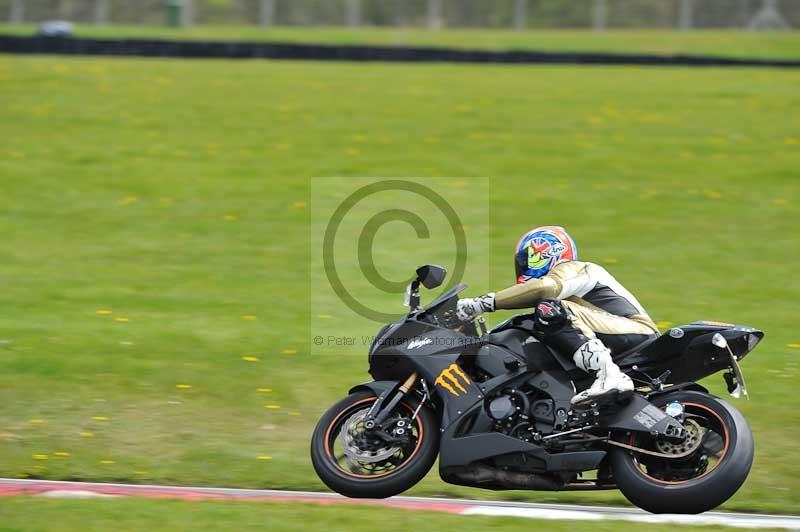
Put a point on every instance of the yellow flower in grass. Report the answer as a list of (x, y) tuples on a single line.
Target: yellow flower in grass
[(40, 457), (299, 205), (107, 462), (249, 317), (289, 351), (263, 457), (121, 319), (87, 434), (250, 358), (183, 386), (663, 324), (793, 346), (61, 454), (264, 390), (100, 418), (36, 421), (127, 200), (272, 407), (230, 217), (104, 312)]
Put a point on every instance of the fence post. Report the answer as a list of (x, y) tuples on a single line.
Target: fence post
[(100, 12), (266, 13), (434, 14), (520, 14), (686, 14), (353, 13), (600, 15), (188, 13), (16, 12), (399, 12)]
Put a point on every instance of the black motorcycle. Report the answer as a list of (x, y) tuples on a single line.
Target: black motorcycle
[(495, 408)]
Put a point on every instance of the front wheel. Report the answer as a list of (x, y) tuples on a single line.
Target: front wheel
[(358, 463), (710, 465)]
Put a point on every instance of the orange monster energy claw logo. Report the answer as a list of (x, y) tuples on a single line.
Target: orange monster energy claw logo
[(449, 379)]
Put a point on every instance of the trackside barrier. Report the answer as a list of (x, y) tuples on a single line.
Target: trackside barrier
[(318, 52)]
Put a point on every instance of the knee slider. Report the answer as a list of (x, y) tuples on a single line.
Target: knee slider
[(549, 317)]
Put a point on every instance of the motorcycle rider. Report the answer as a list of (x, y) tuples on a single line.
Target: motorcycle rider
[(580, 309)]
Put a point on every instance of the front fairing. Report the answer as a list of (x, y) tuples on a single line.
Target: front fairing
[(401, 347), (417, 321)]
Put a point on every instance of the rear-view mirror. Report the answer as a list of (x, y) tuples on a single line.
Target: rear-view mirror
[(431, 275)]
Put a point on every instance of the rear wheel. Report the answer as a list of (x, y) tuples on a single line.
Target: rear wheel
[(709, 465), (359, 463)]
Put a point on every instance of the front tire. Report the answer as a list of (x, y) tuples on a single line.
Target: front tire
[(373, 478), (673, 486)]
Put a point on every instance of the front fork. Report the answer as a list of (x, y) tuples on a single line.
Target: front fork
[(378, 413)]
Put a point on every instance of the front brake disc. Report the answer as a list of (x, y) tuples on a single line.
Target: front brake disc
[(354, 427)]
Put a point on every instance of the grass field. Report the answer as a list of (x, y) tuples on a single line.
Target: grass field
[(783, 45), (27, 513), (155, 222)]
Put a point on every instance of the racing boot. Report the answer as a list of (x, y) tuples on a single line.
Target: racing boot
[(610, 383)]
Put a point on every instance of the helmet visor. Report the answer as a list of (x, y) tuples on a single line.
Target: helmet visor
[(521, 266)]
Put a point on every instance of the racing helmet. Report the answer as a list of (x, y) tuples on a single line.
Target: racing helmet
[(540, 249)]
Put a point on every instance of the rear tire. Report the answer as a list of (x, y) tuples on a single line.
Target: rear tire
[(403, 476), (706, 491)]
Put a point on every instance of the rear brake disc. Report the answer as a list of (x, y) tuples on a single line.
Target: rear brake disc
[(694, 438), (692, 442)]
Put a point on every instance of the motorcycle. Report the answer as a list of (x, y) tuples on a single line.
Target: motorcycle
[(494, 406)]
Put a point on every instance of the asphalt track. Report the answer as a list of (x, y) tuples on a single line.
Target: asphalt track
[(51, 488)]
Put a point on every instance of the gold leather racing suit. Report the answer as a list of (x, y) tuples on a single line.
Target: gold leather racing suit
[(597, 306)]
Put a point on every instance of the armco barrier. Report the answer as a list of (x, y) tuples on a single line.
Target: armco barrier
[(320, 52)]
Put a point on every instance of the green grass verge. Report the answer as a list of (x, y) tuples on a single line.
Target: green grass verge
[(783, 45), (28, 513), (175, 194)]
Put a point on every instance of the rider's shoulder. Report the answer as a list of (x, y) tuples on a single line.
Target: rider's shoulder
[(575, 267)]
